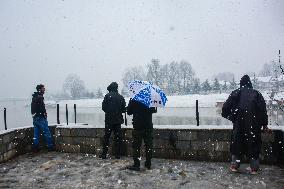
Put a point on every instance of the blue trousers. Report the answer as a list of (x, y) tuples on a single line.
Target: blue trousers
[(41, 124)]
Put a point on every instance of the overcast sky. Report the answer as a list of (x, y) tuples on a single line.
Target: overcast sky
[(44, 41)]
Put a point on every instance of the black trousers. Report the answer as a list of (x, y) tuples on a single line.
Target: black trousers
[(116, 129), (138, 136)]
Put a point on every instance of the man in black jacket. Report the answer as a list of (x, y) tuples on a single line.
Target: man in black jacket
[(40, 119), (114, 106), (246, 108), (142, 130)]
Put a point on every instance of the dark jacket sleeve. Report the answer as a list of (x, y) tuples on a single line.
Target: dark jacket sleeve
[(229, 107), (123, 105), (130, 107), (105, 104), (261, 105)]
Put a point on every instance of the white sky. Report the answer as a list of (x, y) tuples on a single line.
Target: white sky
[(43, 41)]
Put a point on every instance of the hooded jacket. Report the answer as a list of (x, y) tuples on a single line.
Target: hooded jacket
[(113, 105), (246, 108)]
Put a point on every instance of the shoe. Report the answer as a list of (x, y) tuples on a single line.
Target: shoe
[(133, 168), (103, 156), (234, 168), (148, 164), (252, 171)]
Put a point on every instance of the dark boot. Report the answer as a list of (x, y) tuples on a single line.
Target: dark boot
[(148, 164), (103, 156)]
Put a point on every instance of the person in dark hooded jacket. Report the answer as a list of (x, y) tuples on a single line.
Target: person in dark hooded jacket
[(114, 106), (40, 119), (246, 108)]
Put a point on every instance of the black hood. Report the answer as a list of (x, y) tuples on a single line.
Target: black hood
[(113, 87), (36, 94), (245, 82)]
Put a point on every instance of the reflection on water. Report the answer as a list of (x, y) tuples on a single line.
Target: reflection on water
[(18, 115)]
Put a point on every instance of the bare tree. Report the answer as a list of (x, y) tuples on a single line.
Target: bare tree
[(133, 73), (74, 86), (154, 72), (187, 76)]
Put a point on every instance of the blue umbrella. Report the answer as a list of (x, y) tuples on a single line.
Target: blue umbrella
[(147, 93)]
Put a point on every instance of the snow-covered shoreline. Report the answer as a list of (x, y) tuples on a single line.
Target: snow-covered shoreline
[(182, 101)]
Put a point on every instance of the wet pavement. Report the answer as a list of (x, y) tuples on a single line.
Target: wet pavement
[(64, 170)]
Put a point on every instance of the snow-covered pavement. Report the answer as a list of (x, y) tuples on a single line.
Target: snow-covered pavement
[(63, 170)]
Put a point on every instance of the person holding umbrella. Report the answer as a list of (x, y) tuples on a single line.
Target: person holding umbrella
[(144, 102)]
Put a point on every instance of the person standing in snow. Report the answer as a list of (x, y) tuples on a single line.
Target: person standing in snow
[(114, 106), (142, 130), (246, 108), (40, 119)]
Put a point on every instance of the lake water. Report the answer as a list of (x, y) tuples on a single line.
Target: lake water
[(18, 115)]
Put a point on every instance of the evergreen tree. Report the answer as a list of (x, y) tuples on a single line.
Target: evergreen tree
[(233, 84), (99, 93), (225, 87), (206, 86), (196, 86), (216, 85)]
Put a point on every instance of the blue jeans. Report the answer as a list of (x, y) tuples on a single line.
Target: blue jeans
[(41, 124)]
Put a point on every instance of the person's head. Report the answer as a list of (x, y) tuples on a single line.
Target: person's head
[(245, 82), (113, 87), (40, 88)]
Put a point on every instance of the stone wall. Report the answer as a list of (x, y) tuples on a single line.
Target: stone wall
[(196, 143), (15, 142), (187, 144)]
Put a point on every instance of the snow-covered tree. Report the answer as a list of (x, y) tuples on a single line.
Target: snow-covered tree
[(225, 87), (187, 76), (196, 86), (216, 85), (154, 72), (74, 86), (99, 93), (233, 84), (133, 73), (206, 86)]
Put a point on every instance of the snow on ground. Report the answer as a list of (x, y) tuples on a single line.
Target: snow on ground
[(63, 170)]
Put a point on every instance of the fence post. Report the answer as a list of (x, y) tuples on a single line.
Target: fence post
[(197, 114), (75, 113), (5, 118), (58, 120), (67, 114)]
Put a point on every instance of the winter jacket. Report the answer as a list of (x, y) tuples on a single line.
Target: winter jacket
[(246, 108), (37, 105), (142, 115), (113, 105)]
